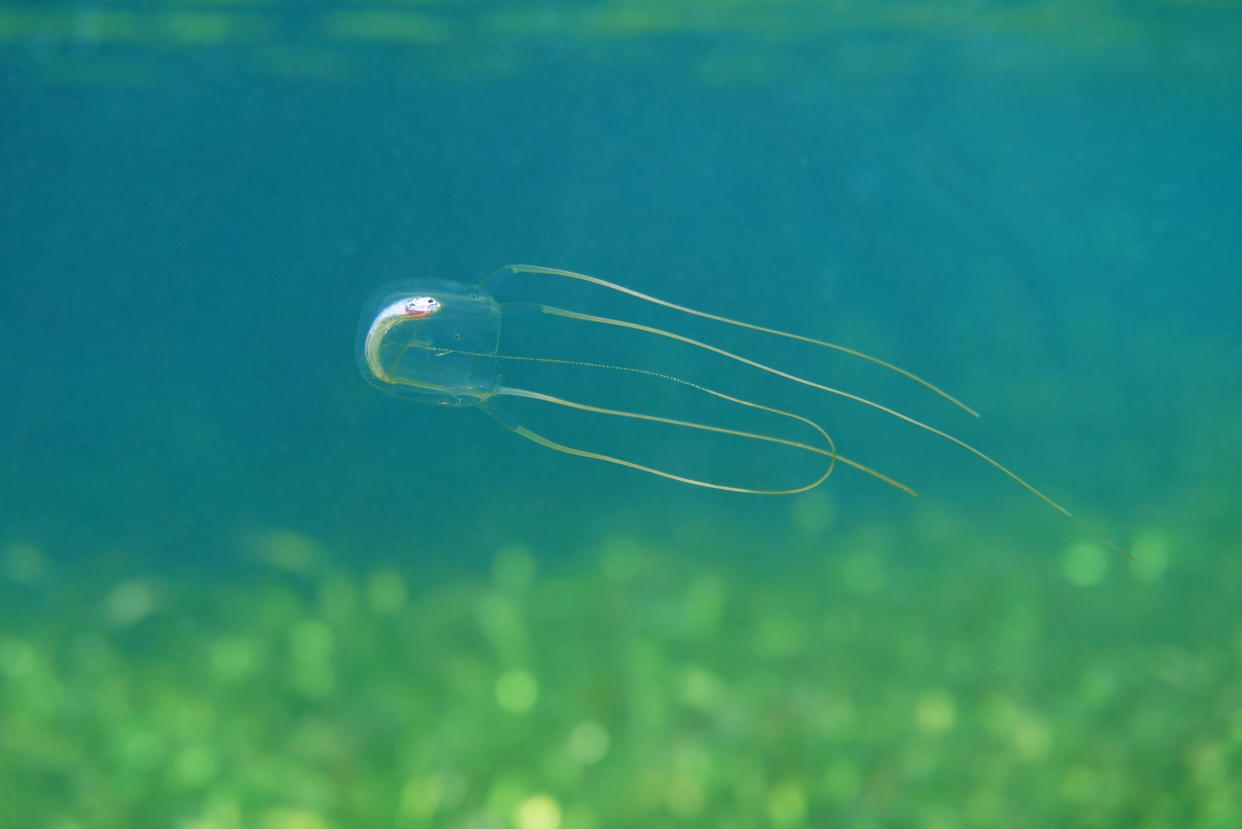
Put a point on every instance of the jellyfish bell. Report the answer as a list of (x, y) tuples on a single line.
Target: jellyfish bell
[(433, 341)]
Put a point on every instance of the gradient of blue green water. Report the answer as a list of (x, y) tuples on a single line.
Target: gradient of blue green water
[(204, 505)]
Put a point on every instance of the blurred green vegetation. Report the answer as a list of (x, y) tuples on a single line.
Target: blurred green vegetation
[(714, 41), (848, 684)]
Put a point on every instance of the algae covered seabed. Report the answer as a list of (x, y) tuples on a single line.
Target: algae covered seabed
[(635, 685)]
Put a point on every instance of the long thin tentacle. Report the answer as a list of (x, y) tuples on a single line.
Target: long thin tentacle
[(671, 378), (539, 269), (524, 432), (561, 312), (830, 452), (585, 453)]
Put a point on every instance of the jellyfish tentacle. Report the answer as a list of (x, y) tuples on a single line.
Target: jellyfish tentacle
[(861, 467), (1029, 487), (830, 452), (599, 456), (612, 286)]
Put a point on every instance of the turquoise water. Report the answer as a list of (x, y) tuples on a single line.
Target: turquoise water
[(241, 587)]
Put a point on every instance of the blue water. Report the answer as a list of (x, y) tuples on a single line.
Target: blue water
[(1039, 215)]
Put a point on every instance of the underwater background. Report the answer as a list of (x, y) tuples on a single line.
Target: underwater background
[(240, 587)]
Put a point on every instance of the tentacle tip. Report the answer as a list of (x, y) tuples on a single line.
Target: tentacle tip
[(967, 409), (1118, 548)]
